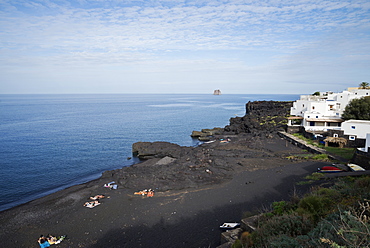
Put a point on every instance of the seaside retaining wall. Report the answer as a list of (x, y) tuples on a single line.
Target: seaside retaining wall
[(294, 129), (301, 143)]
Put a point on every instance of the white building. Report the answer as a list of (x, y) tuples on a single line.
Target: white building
[(356, 129), (367, 144), (323, 112)]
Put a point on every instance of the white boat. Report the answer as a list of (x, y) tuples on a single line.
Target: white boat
[(230, 225), (355, 167)]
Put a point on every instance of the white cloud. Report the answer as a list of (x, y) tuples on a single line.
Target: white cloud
[(206, 42)]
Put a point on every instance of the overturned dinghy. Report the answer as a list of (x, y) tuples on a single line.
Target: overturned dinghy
[(355, 167), (330, 169), (229, 225)]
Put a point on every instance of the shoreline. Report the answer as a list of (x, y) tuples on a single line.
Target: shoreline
[(166, 220), (49, 192)]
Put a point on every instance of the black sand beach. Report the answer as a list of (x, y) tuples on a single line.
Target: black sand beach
[(188, 217)]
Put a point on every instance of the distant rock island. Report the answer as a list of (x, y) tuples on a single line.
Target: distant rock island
[(217, 92)]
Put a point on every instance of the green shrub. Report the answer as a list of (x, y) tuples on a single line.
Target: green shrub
[(284, 241), (334, 217), (291, 225), (362, 184), (246, 239), (280, 207), (341, 229), (314, 206), (333, 195), (237, 244)]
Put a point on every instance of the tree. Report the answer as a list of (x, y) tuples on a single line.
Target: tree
[(358, 109), (364, 85)]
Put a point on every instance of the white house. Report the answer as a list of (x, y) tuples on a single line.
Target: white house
[(323, 112), (356, 129)]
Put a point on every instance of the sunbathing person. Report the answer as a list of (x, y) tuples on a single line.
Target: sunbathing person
[(97, 197), (91, 204), (43, 242), (111, 185), (51, 239)]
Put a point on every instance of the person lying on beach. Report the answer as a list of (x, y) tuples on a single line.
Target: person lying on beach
[(111, 185), (51, 239), (43, 242), (91, 204), (54, 240), (141, 192), (97, 197)]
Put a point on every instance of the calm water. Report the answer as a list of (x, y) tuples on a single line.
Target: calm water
[(50, 142)]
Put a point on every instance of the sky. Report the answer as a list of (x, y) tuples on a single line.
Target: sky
[(181, 46)]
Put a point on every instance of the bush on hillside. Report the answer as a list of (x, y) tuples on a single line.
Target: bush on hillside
[(338, 216)]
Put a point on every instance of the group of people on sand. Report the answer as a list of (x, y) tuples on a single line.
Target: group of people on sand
[(49, 240), (95, 202)]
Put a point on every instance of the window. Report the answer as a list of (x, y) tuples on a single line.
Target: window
[(317, 116), (353, 127), (352, 137), (313, 107)]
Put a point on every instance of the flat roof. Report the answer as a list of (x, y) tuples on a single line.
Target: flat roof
[(358, 121), (324, 120)]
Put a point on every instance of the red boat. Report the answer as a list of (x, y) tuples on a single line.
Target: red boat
[(329, 169)]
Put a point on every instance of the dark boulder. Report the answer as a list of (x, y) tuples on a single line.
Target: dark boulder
[(147, 150)]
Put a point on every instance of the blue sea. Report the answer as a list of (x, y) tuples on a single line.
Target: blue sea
[(51, 142)]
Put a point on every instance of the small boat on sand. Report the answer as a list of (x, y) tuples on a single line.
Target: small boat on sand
[(355, 167), (230, 225), (329, 169)]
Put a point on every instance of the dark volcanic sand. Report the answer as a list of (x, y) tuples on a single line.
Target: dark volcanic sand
[(174, 218)]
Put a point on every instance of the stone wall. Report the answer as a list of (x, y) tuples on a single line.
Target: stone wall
[(362, 159), (301, 143)]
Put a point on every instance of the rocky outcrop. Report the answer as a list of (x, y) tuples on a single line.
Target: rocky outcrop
[(147, 150), (262, 117), (217, 92), (207, 134), (169, 166)]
